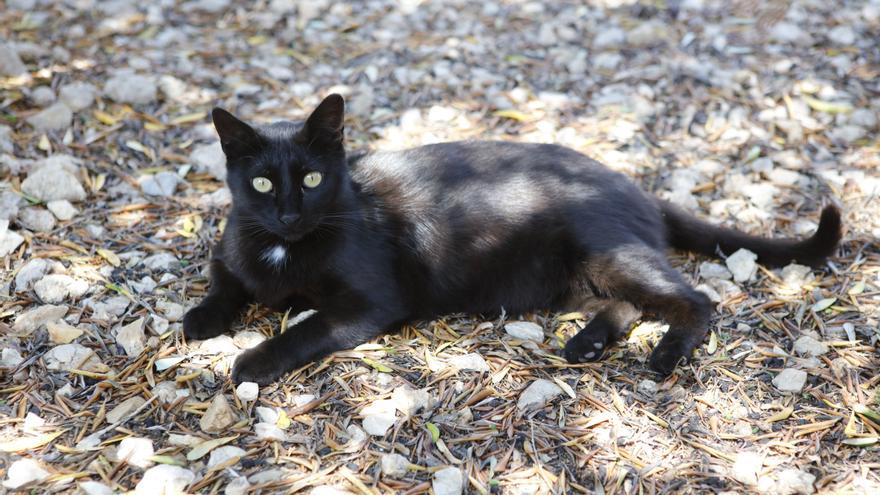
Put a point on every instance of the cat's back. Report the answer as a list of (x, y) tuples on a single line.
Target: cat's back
[(470, 170)]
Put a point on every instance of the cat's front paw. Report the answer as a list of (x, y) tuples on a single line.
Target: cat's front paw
[(580, 349), (667, 355), (258, 365), (203, 322)]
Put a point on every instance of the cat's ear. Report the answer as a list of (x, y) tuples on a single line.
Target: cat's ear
[(236, 138), (324, 126)]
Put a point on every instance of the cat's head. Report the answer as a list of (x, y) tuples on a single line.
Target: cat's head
[(285, 177)]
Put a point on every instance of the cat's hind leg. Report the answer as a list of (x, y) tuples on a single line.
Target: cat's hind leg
[(608, 325), (641, 275), (215, 314)]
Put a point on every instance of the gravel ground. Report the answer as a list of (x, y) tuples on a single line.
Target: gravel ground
[(752, 114)]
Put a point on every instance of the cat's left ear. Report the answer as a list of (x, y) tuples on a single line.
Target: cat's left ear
[(236, 138), (325, 125)]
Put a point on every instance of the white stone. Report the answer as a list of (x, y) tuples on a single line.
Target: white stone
[(647, 387), (143, 286), (10, 62), (161, 262), (847, 133), (221, 344), (220, 198), (36, 219), (131, 337), (218, 417), (161, 184), (709, 270), (394, 465), (125, 409), (267, 414), (611, 37), (537, 394), (409, 401), (56, 117), (136, 451), (647, 33), (469, 362), (747, 467), (742, 265), (379, 416), (78, 95), (794, 481), (164, 479), (268, 476), (790, 380), (62, 209), (238, 486), (248, 339), (42, 96), (33, 319), (448, 481), (61, 332), (9, 240), (525, 330), (53, 182), (131, 88), (10, 202), (10, 358), (55, 288), (247, 391), (171, 310), (24, 471), (842, 35), (32, 271), (95, 488), (166, 392), (808, 346), (787, 32), (223, 454), (67, 357), (209, 158), (269, 431), (110, 308), (863, 117), (210, 6)]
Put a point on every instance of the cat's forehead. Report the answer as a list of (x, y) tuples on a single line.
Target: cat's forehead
[(280, 149)]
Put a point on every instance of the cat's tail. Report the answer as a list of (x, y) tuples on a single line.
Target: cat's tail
[(688, 233)]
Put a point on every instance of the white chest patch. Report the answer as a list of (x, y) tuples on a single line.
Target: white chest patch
[(275, 256)]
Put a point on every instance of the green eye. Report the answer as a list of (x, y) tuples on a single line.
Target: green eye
[(262, 184), (312, 179)]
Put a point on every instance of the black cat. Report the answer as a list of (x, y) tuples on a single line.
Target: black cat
[(377, 240)]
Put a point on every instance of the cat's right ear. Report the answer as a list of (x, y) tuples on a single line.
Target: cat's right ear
[(236, 138)]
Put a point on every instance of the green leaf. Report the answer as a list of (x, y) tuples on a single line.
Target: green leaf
[(863, 410), (381, 368), (861, 442), (828, 107), (513, 115), (824, 304), (203, 448), (435, 432), (856, 289), (167, 459)]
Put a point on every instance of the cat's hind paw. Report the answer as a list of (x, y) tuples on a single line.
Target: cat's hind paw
[(203, 322)]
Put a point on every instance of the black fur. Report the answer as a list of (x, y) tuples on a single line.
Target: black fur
[(465, 227)]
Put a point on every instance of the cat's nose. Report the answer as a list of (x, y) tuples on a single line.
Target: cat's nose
[(289, 218)]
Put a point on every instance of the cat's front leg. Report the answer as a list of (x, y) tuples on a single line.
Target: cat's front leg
[(318, 335), (215, 314)]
